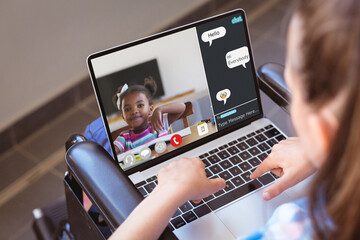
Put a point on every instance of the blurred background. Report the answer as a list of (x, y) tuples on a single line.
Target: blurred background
[(46, 94)]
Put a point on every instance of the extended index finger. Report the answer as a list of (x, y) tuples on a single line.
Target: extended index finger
[(267, 165)]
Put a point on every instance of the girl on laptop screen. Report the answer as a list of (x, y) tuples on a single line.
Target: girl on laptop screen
[(136, 105), (323, 74)]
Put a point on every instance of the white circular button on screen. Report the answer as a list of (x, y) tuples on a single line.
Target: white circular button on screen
[(160, 147), (145, 153), (129, 159)]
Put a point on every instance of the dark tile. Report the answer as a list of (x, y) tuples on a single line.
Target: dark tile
[(61, 167), (215, 7), (268, 20), (206, 10), (92, 106), (287, 5), (254, 37), (12, 166), (84, 89), (55, 136), (273, 20), (248, 6), (269, 51), (17, 212), (45, 114), (277, 115), (6, 141), (26, 233)]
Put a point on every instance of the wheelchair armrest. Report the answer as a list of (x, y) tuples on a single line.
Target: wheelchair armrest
[(107, 186), (272, 83)]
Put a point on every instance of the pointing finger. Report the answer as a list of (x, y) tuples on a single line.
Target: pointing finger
[(216, 184), (277, 187), (268, 164)]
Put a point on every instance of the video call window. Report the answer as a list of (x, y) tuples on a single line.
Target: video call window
[(163, 94)]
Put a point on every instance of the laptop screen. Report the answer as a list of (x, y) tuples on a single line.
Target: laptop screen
[(165, 94)]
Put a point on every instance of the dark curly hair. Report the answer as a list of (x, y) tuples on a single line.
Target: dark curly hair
[(149, 89)]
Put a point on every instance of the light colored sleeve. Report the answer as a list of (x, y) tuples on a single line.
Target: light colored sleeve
[(120, 143), (289, 221)]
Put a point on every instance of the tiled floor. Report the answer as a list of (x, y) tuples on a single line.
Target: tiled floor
[(31, 172)]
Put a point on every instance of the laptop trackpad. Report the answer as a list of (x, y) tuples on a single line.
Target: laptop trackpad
[(207, 227), (250, 213)]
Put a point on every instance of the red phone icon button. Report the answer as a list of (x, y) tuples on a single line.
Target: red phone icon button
[(176, 140)]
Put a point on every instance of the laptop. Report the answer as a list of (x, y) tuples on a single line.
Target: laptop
[(208, 68)]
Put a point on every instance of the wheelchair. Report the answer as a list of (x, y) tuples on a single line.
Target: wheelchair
[(67, 218)]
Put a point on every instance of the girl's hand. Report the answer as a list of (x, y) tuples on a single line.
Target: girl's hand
[(156, 121), (287, 160), (186, 178), (177, 183)]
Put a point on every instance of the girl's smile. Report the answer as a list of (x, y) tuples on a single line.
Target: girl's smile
[(136, 110), (135, 118)]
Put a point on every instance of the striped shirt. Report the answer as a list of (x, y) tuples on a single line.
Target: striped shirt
[(128, 139)]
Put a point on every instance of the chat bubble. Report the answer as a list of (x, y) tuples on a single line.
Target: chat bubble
[(213, 34), (145, 153), (223, 95), (237, 57)]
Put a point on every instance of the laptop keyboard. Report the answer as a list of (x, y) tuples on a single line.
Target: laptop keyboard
[(234, 162)]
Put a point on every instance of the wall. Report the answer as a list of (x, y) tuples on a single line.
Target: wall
[(178, 56), (44, 44)]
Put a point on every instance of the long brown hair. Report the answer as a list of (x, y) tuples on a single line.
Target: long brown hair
[(331, 64)]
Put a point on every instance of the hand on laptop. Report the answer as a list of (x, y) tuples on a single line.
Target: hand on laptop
[(288, 161), (177, 183), (187, 177)]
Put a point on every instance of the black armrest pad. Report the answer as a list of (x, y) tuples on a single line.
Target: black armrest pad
[(108, 188), (271, 81), (106, 185)]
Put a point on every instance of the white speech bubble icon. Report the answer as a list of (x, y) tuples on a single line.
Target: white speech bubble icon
[(237, 57), (223, 95), (145, 153), (213, 34)]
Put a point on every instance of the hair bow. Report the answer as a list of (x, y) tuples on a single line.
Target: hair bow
[(123, 89)]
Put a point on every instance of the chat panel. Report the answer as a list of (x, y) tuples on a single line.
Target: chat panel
[(226, 58)]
